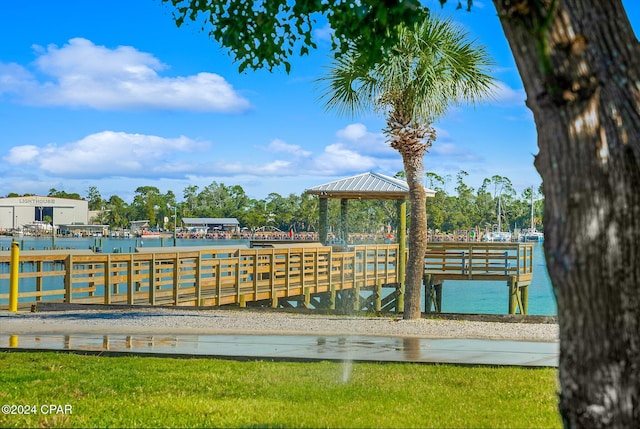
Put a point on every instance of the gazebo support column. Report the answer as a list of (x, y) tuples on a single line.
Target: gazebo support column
[(344, 209), (402, 243), (323, 228)]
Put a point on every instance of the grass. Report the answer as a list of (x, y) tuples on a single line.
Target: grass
[(167, 392)]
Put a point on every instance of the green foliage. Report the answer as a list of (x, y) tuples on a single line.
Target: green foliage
[(166, 392), (95, 199), (266, 33), (467, 208), (471, 208), (53, 192), (117, 213), (432, 67)]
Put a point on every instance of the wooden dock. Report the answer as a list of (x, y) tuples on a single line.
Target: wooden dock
[(509, 262), (277, 276), (309, 275)]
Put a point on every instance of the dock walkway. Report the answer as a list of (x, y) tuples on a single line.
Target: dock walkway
[(308, 275)]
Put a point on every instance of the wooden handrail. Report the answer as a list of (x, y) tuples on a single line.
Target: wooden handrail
[(480, 261), (200, 277)]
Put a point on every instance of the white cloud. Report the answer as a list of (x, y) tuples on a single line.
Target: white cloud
[(337, 159), (450, 152), (14, 76), (509, 96), (357, 137), (279, 146), (112, 156), (353, 132), (86, 75), (26, 154), (107, 154)]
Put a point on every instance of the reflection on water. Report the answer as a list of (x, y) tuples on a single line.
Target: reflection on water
[(93, 342), (344, 349), (411, 348)]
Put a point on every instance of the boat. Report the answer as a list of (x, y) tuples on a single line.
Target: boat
[(532, 234), (149, 234), (497, 235)]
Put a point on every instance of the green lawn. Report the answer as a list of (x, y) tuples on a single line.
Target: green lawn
[(167, 392)]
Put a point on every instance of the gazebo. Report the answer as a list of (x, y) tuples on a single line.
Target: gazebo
[(372, 186)]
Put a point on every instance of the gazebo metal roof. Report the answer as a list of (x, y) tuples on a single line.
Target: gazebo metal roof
[(366, 185)]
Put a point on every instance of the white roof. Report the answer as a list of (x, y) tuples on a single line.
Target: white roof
[(369, 185), (210, 221)]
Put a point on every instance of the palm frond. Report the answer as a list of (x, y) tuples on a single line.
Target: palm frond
[(434, 66), (349, 88)]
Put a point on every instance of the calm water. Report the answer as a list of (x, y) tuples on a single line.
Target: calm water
[(457, 296), (493, 298)]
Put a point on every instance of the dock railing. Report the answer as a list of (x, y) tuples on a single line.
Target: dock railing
[(510, 262), (206, 277), (479, 261)]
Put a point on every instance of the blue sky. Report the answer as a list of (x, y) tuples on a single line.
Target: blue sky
[(110, 93)]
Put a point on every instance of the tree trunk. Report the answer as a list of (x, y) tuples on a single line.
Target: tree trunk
[(581, 73), (412, 141), (414, 170)]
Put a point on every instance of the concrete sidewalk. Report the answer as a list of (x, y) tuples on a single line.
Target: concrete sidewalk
[(362, 348)]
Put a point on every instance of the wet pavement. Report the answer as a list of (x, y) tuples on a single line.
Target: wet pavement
[(300, 348)]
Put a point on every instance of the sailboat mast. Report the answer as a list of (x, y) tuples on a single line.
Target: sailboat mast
[(499, 211), (532, 224)]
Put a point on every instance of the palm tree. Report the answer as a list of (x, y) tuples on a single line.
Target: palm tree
[(432, 67)]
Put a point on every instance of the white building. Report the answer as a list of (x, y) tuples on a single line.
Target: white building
[(16, 212)]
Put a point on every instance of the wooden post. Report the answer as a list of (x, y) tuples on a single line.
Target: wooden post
[(39, 268), (237, 275), (107, 279), (176, 279), (152, 280), (426, 281), (255, 274), (332, 296), (130, 285), (438, 289), (513, 290), (218, 284), (198, 279), (307, 297), (524, 299), (272, 280), (323, 228), (14, 274), (287, 269), (378, 292), (344, 209)]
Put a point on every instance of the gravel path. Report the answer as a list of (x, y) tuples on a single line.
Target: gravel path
[(177, 321)]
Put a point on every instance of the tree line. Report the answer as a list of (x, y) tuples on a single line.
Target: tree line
[(464, 208)]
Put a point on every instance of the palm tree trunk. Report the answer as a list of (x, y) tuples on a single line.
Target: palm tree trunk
[(410, 142), (414, 170), (581, 77)]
